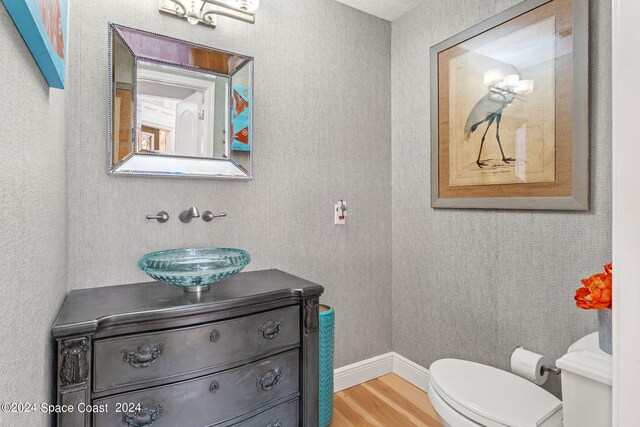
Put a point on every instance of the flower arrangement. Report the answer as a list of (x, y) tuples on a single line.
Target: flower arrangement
[(595, 294)]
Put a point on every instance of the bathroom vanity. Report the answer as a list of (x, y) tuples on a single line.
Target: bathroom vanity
[(243, 353)]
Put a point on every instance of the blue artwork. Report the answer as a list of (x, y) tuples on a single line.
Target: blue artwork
[(241, 119), (43, 26)]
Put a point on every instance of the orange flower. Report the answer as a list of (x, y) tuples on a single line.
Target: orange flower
[(596, 293)]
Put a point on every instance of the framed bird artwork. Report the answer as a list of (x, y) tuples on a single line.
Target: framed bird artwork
[(509, 111)]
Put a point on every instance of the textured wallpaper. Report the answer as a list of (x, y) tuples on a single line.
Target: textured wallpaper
[(322, 133), (32, 226), (476, 284), (342, 112)]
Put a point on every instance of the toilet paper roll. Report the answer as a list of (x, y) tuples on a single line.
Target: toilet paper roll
[(528, 365)]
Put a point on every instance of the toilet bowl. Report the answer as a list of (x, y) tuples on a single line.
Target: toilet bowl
[(469, 394), (448, 416)]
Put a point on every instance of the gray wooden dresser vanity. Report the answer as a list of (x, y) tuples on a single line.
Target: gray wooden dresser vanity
[(244, 353)]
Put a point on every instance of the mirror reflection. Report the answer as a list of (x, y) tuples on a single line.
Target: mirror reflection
[(177, 108), (181, 112)]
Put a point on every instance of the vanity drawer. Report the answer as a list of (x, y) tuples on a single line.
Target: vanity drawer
[(137, 359), (284, 415), (207, 400)]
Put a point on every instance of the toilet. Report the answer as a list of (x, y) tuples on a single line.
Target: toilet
[(469, 394)]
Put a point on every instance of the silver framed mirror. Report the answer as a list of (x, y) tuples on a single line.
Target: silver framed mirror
[(178, 109)]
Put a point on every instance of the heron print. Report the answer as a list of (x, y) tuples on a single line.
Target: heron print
[(502, 92), (500, 97)]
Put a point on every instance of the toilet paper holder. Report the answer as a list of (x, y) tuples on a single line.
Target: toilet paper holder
[(551, 369)]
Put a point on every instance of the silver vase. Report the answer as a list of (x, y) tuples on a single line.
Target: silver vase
[(604, 330)]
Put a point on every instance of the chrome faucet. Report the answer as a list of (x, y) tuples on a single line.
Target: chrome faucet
[(188, 215)]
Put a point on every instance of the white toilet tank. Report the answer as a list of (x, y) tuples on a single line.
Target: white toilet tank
[(586, 384)]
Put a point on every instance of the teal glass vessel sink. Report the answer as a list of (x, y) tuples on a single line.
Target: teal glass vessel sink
[(194, 269)]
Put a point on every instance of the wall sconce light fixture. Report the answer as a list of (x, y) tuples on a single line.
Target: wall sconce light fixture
[(497, 80), (206, 11)]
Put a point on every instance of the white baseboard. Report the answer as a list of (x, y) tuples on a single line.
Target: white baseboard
[(361, 372), (411, 371), (366, 370)]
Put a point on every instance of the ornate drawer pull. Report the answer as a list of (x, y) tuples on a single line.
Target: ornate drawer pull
[(143, 356), (270, 329), (269, 380), (215, 386), (215, 336), (144, 417), (275, 424)]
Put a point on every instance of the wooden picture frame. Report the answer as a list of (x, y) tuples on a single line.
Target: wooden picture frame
[(509, 111)]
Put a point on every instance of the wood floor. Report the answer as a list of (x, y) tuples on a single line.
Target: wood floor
[(388, 401)]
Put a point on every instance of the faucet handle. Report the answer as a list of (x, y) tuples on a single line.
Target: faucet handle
[(161, 217), (208, 216)]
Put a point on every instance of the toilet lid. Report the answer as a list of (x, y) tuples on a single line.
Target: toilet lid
[(491, 396)]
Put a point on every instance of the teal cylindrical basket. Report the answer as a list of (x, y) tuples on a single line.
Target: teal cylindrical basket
[(327, 328)]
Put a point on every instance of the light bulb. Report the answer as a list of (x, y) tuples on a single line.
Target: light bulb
[(493, 76), (511, 80), (192, 16), (524, 87), (248, 5)]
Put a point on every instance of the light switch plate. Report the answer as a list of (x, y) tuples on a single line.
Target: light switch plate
[(339, 217)]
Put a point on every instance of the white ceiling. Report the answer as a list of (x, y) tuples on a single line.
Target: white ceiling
[(385, 9)]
